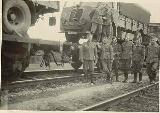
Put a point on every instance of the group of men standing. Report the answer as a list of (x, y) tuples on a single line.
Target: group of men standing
[(128, 57)]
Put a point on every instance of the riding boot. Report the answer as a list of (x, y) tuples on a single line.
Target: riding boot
[(140, 77), (86, 76), (116, 74), (135, 77), (125, 77), (117, 78), (112, 77), (91, 78)]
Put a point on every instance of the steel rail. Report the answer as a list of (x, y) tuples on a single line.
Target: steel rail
[(55, 71), (113, 101), (54, 80)]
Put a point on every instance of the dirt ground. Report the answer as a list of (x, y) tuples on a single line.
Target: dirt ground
[(75, 96), (70, 97)]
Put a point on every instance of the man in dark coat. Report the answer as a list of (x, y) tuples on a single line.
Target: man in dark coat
[(152, 60), (137, 60)]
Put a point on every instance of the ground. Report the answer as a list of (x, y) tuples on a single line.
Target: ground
[(72, 96)]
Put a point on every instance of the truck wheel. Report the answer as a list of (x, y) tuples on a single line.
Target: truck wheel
[(16, 16), (76, 65)]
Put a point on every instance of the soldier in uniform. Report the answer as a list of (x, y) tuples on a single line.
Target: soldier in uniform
[(102, 21), (152, 59), (97, 22), (88, 55), (137, 60), (126, 58), (117, 49), (107, 22), (107, 57)]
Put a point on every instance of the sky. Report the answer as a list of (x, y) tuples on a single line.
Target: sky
[(42, 30)]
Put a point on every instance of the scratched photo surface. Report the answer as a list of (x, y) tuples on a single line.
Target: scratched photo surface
[(80, 55)]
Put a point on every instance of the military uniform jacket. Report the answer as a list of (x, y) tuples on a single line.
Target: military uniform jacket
[(106, 51), (138, 53), (127, 50), (97, 17), (98, 14), (108, 18), (117, 50), (88, 51), (152, 53)]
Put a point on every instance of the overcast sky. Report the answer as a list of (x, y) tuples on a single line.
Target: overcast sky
[(42, 30)]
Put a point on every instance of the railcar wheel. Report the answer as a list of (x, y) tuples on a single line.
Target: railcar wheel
[(16, 16)]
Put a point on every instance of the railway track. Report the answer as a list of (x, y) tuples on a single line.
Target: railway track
[(140, 94), (33, 78), (58, 77)]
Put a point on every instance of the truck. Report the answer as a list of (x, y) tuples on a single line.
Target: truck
[(128, 19), (17, 46)]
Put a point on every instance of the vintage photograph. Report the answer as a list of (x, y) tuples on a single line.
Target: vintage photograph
[(80, 55)]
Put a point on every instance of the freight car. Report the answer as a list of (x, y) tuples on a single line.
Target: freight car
[(127, 19), (17, 46)]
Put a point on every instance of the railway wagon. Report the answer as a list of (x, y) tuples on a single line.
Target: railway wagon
[(17, 46), (127, 19)]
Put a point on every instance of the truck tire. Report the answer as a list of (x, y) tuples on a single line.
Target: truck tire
[(16, 16), (76, 65)]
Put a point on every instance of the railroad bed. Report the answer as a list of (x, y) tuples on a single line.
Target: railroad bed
[(57, 76), (34, 78), (73, 96), (145, 99)]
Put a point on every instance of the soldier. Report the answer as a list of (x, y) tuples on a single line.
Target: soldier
[(107, 57), (137, 60), (102, 21), (152, 60), (97, 21), (107, 21), (88, 55), (126, 58), (117, 49)]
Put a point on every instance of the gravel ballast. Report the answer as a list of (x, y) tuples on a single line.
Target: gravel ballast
[(70, 97)]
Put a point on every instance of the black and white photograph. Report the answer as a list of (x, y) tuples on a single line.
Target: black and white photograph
[(80, 55)]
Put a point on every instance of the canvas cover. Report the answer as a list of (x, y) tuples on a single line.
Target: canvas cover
[(130, 10)]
